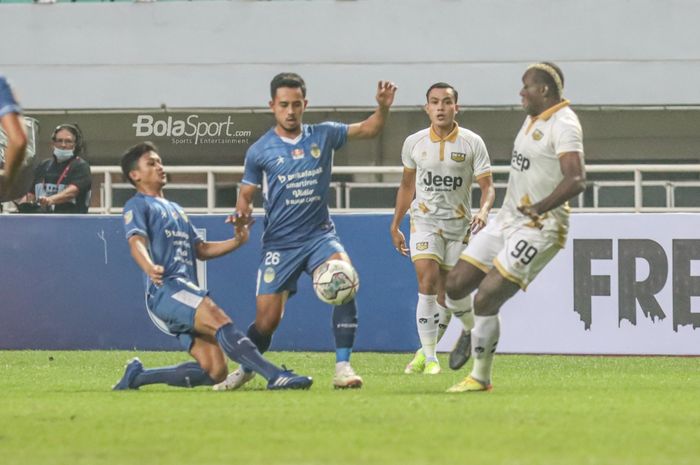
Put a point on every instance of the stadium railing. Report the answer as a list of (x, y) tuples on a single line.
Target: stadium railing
[(626, 191)]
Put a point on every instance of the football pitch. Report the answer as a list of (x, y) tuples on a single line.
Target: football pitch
[(57, 408)]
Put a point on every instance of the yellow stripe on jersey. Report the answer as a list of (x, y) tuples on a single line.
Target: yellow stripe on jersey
[(545, 115), (483, 175), (501, 269), (423, 207)]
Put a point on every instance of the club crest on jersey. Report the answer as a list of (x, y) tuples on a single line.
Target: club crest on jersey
[(297, 154), (537, 135), (269, 275), (458, 156), (128, 216), (315, 151), (422, 246)]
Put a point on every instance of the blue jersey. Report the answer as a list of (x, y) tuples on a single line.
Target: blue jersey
[(8, 103), (295, 179), (171, 237)]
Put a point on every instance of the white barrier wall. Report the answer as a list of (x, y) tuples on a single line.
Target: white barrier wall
[(624, 284), (223, 54)]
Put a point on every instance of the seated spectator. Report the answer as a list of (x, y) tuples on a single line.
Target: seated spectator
[(62, 183)]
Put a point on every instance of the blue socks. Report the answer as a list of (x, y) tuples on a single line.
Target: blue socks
[(241, 349), (188, 374), (344, 328)]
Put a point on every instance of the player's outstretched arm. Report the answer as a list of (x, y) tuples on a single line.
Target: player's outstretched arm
[(12, 124), (488, 195), (373, 125), (404, 197), (574, 183), (139, 251), (208, 250)]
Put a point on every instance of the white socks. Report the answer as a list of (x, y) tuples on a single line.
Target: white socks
[(487, 330), (462, 309), (427, 318), (444, 322)]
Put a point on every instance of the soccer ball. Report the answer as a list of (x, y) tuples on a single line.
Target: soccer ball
[(336, 282)]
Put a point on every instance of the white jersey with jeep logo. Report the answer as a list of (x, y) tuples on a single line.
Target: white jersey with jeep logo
[(534, 166), (445, 170)]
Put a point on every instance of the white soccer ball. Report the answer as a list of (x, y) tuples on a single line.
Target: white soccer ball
[(336, 282)]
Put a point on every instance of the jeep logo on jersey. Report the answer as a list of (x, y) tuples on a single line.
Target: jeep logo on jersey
[(519, 161), (436, 180)]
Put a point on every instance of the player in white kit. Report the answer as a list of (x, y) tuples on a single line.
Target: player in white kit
[(547, 169), (440, 165)]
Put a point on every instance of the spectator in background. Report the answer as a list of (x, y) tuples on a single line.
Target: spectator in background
[(62, 183)]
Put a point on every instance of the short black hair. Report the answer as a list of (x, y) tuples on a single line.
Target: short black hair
[(442, 85), (130, 159), (544, 77), (292, 80)]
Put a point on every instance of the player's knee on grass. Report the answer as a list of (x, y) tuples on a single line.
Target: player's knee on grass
[(215, 367), (218, 372)]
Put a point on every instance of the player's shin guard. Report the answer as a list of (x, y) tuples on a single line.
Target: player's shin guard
[(462, 309), (427, 319), (188, 374), (487, 330), (344, 329), (444, 322), (241, 349)]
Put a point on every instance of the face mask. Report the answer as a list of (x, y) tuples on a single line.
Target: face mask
[(62, 154)]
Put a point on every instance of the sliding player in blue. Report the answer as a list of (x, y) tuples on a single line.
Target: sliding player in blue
[(165, 245)]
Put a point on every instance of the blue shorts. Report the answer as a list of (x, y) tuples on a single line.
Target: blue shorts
[(172, 306), (280, 268)]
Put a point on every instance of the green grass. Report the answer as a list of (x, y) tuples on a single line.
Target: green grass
[(57, 408)]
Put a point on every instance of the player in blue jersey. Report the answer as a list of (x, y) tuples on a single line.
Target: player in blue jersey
[(165, 245), (292, 162), (14, 140)]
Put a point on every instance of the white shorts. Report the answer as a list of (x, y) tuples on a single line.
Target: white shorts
[(518, 252), (432, 246)]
